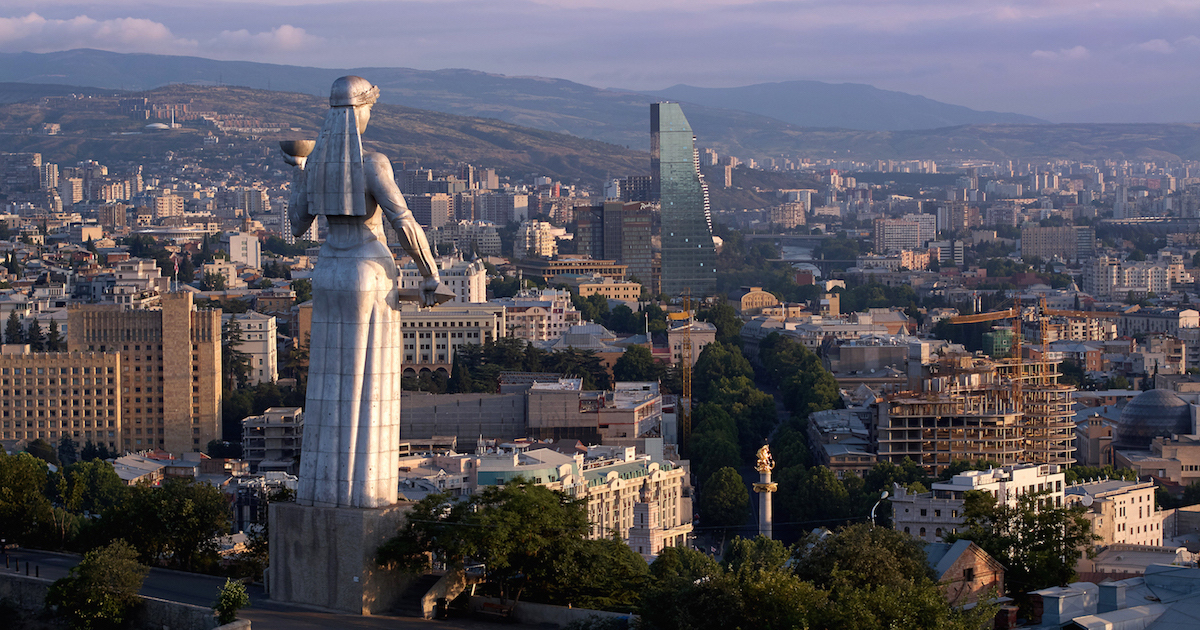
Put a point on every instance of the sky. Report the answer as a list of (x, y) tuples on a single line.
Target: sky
[(1062, 60)]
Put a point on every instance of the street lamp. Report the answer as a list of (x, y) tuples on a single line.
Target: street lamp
[(881, 498)]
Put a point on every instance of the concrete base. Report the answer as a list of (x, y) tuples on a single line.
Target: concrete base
[(326, 557)]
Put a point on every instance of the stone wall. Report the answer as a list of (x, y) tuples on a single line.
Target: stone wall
[(29, 593), (467, 416)]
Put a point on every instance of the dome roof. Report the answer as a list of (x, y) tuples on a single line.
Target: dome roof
[(1157, 412)]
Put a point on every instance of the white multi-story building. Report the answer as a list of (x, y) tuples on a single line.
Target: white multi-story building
[(467, 278), (641, 500), (1109, 278), (535, 315), (243, 248), (930, 515), (1121, 512), (537, 238), (896, 234), (926, 224), (258, 343)]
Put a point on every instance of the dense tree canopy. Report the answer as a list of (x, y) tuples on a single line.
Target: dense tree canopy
[(101, 590), (1038, 542), (530, 540), (724, 501)]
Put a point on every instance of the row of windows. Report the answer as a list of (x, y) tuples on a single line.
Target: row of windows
[(42, 393), (54, 413), (440, 324), (53, 371), (9, 435)]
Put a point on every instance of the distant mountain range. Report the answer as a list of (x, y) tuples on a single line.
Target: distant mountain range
[(843, 105), (798, 118), (92, 130), (610, 115)]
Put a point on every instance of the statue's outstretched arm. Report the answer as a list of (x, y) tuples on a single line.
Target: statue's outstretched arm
[(382, 184), (298, 203)]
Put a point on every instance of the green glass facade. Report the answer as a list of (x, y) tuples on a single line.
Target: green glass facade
[(688, 254)]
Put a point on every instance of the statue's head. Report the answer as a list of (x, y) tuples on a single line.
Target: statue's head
[(352, 91)]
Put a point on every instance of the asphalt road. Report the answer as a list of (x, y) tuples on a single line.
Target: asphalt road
[(263, 613)]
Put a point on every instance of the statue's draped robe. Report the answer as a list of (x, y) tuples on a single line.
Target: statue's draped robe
[(352, 411)]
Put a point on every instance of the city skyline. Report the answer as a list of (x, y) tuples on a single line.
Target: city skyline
[(1065, 61)]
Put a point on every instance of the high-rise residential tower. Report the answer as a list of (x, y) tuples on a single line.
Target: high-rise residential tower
[(688, 253)]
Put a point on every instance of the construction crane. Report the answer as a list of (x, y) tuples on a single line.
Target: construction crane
[(683, 419)]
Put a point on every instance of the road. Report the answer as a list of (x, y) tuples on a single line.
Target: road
[(263, 613)]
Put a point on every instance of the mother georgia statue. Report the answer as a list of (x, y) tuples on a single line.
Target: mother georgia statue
[(352, 413)]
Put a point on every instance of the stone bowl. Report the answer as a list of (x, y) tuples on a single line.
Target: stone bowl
[(297, 148)]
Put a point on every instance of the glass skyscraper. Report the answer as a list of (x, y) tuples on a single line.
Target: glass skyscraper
[(688, 254)]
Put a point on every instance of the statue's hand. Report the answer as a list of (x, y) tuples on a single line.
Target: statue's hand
[(429, 287), (295, 160)]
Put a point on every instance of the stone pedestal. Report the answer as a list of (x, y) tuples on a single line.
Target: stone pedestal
[(326, 557)]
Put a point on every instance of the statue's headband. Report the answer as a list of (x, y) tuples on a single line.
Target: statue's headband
[(352, 91)]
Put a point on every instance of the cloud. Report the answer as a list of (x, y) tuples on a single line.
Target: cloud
[(1071, 54), (285, 38), (36, 33), (1155, 45)]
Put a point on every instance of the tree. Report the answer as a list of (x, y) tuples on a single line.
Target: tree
[(101, 590), (637, 364), (756, 554), (68, 450), (24, 508), (235, 363), (212, 281), (13, 331), (725, 318), (55, 341), (35, 337), (230, 599), (92, 487), (519, 531), (303, 289), (865, 554), (43, 450), (724, 500), (1037, 541), (175, 524)]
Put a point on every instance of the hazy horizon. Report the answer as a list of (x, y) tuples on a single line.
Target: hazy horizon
[(1066, 61)]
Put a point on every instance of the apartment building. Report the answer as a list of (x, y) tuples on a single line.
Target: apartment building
[(1121, 512), (271, 441), (170, 365), (929, 516), (52, 395)]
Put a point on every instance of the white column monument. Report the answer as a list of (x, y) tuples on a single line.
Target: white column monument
[(764, 488)]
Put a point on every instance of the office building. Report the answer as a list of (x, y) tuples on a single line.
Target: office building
[(466, 278), (617, 231), (688, 253), (177, 409), (52, 395), (431, 210), (1066, 243), (433, 335)]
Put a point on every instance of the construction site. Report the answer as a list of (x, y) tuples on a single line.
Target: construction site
[(971, 407)]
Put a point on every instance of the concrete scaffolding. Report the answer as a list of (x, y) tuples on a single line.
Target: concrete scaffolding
[(972, 408)]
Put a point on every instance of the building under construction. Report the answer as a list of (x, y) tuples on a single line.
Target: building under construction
[(965, 407)]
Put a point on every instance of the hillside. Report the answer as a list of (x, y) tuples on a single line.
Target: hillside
[(846, 105), (610, 115), (97, 128)]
